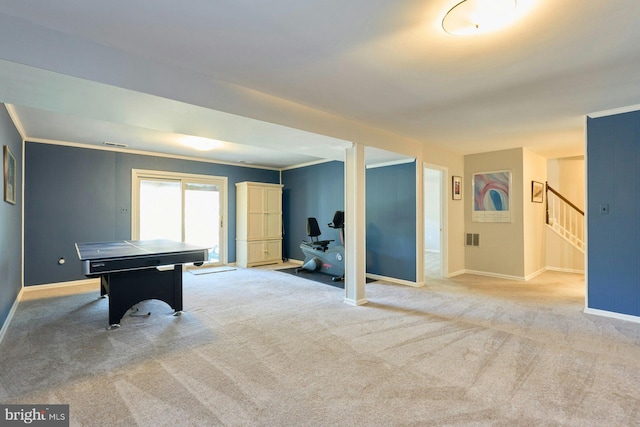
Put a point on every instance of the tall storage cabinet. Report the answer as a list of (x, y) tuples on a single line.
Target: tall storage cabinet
[(258, 224)]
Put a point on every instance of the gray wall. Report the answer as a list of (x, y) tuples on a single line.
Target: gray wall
[(82, 195), (10, 224)]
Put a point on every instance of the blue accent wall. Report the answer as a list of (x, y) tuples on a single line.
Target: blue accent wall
[(312, 191), (391, 221), (613, 176), (81, 195), (76, 195), (318, 191), (10, 223)]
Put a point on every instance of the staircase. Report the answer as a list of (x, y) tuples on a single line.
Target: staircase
[(565, 218)]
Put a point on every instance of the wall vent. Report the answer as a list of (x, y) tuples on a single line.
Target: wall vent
[(472, 239), (114, 144)]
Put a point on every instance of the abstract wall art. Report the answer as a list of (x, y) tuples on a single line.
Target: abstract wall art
[(492, 196)]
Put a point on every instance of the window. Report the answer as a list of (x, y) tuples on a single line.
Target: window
[(182, 207)]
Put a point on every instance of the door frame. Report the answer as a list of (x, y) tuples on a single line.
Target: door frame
[(222, 181), (444, 233)]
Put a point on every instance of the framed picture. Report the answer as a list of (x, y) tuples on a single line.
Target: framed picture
[(9, 176), (537, 192), (456, 188), (491, 196)]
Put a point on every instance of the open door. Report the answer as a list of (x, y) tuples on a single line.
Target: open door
[(435, 193)]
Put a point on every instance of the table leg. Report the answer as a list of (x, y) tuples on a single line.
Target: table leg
[(127, 288)]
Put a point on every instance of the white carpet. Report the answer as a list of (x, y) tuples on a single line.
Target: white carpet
[(264, 348)]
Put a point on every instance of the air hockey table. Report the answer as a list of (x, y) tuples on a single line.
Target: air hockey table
[(132, 271)]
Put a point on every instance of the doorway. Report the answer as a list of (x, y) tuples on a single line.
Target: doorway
[(435, 195), (181, 207)]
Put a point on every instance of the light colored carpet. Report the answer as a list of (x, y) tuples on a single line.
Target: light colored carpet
[(432, 265), (263, 348)]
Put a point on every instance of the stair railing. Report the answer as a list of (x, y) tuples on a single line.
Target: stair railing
[(565, 218)]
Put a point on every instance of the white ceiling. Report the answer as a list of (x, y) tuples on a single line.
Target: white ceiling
[(359, 67)]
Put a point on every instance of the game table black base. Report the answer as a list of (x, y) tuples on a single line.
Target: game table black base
[(125, 289), (132, 271)]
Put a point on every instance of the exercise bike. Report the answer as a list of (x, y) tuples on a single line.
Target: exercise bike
[(318, 256)]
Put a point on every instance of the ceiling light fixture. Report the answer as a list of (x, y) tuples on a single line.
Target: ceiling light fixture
[(201, 144), (479, 16)]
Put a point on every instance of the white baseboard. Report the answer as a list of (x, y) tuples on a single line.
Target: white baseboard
[(565, 270), (534, 274), (518, 278), (394, 280), (14, 307), (83, 282), (354, 303), (496, 275), (456, 273), (612, 314)]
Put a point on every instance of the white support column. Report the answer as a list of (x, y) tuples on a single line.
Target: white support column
[(355, 226), (419, 222)]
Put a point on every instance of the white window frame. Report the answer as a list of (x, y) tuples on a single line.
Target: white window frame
[(221, 181)]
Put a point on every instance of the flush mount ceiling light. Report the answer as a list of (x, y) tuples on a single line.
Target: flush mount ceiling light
[(201, 144), (479, 16)]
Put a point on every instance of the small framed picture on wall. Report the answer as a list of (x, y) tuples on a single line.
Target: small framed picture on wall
[(9, 176), (456, 187), (537, 192)]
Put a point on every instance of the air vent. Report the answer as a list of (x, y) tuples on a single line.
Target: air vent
[(472, 239), (114, 144)]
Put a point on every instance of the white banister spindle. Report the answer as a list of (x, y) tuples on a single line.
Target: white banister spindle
[(571, 212), (566, 220)]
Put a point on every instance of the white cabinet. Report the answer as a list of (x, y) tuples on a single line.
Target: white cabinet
[(258, 223)]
